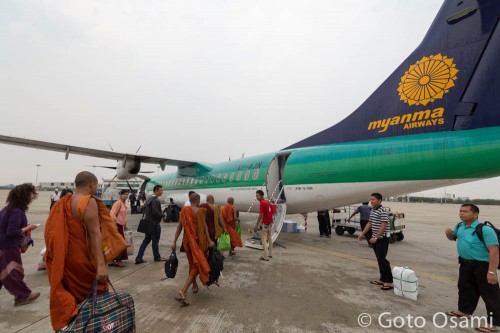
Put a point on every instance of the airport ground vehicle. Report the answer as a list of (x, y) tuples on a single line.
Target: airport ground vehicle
[(341, 225)]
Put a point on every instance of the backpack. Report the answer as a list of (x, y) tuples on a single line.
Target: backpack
[(171, 265), (216, 263), (272, 208), (479, 233)]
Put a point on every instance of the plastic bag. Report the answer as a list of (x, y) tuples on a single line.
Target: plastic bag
[(224, 243), (238, 228), (129, 238)]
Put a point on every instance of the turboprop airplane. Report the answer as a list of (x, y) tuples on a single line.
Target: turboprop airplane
[(434, 122)]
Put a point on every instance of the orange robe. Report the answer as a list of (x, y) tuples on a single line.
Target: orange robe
[(228, 213), (70, 268), (194, 241)]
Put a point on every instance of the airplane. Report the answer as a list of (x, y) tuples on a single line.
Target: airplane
[(434, 122)]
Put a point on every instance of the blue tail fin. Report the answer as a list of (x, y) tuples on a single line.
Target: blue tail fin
[(449, 83)]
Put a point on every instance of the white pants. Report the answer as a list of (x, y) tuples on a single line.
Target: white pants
[(267, 241)]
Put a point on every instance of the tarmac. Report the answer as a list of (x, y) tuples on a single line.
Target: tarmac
[(311, 284)]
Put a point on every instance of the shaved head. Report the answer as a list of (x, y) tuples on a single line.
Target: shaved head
[(85, 178), (230, 200), (210, 199), (194, 197)]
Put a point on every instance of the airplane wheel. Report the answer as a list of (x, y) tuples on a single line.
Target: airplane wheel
[(400, 236), (176, 213), (351, 231), (167, 215), (392, 239), (339, 230)]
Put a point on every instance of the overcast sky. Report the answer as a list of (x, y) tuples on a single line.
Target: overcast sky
[(193, 80)]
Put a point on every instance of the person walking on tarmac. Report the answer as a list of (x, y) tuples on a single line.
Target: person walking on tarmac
[(364, 216)]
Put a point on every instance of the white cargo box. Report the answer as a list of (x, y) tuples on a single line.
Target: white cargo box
[(405, 282)]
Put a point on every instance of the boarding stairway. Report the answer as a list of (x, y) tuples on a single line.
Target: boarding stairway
[(278, 219)]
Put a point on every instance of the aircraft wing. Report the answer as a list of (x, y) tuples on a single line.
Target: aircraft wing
[(111, 155)]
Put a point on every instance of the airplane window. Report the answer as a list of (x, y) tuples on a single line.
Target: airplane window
[(196, 181), (231, 177), (206, 179), (218, 178), (255, 174), (224, 178), (238, 175), (247, 174), (201, 179), (212, 179)]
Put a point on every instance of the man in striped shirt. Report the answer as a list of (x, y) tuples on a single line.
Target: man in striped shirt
[(379, 220)]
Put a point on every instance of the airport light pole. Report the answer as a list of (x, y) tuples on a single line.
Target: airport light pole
[(37, 168)]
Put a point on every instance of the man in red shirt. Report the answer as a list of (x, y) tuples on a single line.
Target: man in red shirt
[(266, 217)]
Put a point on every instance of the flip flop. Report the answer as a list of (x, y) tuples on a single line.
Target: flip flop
[(182, 301), (140, 262), (261, 258), (485, 329), (387, 288), (378, 283), (456, 314)]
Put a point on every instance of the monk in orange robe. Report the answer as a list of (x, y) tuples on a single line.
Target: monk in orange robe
[(74, 255), (195, 241), (228, 213)]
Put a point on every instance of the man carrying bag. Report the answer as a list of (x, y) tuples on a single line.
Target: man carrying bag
[(150, 225)]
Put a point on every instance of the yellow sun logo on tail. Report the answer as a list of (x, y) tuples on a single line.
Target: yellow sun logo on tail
[(429, 79)]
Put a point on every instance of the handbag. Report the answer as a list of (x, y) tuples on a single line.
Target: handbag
[(129, 238), (26, 241), (171, 265), (238, 228), (224, 243), (106, 312), (146, 226)]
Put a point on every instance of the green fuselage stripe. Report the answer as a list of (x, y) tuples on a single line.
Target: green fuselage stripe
[(438, 155)]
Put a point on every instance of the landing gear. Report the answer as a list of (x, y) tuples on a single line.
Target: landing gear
[(171, 214)]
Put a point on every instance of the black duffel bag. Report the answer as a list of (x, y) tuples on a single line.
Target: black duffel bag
[(171, 265)]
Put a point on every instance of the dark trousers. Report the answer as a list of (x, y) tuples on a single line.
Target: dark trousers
[(381, 247), (133, 208), (472, 283), (368, 235), (155, 237), (324, 228)]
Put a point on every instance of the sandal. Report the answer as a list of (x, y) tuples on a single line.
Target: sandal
[(387, 288), (378, 283), (486, 329), (456, 314), (262, 258), (182, 299)]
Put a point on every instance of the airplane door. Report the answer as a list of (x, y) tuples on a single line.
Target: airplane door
[(274, 180)]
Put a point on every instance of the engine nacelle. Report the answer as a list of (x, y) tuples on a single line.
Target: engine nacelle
[(127, 170)]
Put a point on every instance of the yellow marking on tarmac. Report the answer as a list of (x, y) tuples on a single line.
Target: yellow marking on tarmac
[(370, 262)]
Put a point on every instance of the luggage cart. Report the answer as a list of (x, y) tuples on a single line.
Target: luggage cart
[(341, 225)]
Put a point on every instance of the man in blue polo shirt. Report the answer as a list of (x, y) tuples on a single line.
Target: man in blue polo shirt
[(478, 267)]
